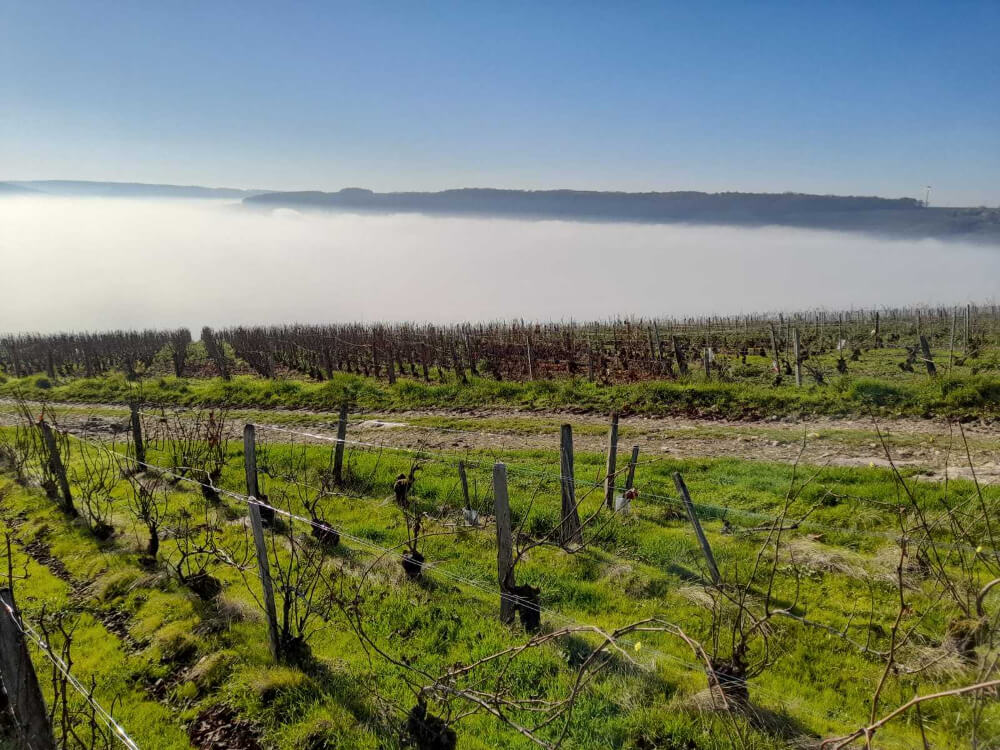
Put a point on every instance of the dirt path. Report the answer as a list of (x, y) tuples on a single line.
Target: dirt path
[(927, 445)]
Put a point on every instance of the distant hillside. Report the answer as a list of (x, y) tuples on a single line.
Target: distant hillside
[(904, 217), (9, 188), (127, 189)]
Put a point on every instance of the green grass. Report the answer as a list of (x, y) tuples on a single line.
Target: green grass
[(647, 564), (959, 395)]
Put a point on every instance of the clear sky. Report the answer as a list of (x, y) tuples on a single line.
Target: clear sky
[(829, 97)]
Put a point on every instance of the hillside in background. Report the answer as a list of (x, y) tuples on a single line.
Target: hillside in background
[(903, 217), (893, 217), (86, 188)]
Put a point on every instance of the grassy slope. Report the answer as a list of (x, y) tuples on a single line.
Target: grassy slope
[(642, 566), (958, 395)]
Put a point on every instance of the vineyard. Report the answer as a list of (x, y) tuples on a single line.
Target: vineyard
[(499, 376), (919, 362), (183, 579)]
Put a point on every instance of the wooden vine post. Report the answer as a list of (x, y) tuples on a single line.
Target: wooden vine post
[(137, 445), (250, 460), (470, 514), (968, 316), (632, 463), (505, 544), (682, 365), (925, 349), (693, 517), (796, 346), (569, 529), (250, 469), (257, 526), (56, 467), (264, 569), (951, 342), (629, 480), (338, 452), (611, 468), (20, 683)]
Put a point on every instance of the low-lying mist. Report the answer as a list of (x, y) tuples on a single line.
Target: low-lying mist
[(72, 264)]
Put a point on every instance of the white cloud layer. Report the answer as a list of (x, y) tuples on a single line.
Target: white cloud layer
[(73, 264)]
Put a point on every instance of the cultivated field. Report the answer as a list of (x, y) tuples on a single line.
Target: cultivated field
[(680, 535)]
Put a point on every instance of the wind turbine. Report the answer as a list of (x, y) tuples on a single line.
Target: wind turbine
[(927, 196)]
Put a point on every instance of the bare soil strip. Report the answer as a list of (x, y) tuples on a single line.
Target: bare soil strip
[(933, 447)]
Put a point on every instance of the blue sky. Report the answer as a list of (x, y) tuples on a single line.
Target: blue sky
[(843, 97)]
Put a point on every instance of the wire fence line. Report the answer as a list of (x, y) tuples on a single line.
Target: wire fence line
[(30, 632), (434, 567), (710, 510), (719, 511), (480, 586), (431, 566)]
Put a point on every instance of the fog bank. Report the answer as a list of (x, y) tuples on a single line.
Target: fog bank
[(72, 264)]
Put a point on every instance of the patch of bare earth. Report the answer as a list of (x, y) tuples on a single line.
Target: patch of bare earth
[(931, 446), (219, 728)]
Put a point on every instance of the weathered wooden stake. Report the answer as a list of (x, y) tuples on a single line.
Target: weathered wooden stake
[(505, 544), (569, 529), (250, 460), (682, 365), (20, 682), (878, 337), (798, 356), (338, 453), (138, 446), (57, 468), (968, 316), (951, 345), (531, 363), (928, 359), (611, 468), (632, 463), (693, 517), (626, 506), (264, 568)]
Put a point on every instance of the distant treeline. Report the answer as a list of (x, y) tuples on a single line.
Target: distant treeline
[(894, 216)]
